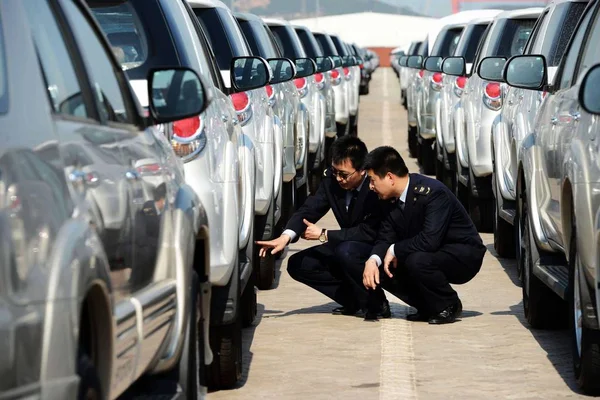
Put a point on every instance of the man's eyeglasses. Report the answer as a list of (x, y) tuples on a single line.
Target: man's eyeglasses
[(342, 175)]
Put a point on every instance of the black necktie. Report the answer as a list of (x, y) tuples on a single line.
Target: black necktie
[(400, 204), (352, 201)]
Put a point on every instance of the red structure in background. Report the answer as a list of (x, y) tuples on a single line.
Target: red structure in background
[(457, 3)]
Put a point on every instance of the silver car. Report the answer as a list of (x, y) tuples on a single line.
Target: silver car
[(482, 102), (95, 294), (517, 118), (558, 192)]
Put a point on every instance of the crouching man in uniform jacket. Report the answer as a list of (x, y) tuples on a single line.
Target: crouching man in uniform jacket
[(345, 190), (426, 242)]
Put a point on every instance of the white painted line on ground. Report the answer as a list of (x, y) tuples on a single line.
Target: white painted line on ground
[(397, 371), (386, 90)]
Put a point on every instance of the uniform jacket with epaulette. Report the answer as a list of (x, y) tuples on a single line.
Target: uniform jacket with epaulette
[(361, 226), (432, 219)]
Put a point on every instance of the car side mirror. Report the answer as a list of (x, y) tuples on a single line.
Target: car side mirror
[(589, 95), (337, 61), (248, 73), (526, 72), (434, 64), (305, 67), (324, 64), (284, 70), (415, 62), (490, 69), (403, 61), (176, 93), (454, 66)]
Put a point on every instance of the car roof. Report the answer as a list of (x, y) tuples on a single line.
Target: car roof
[(212, 3), (276, 21), (247, 16), (532, 12)]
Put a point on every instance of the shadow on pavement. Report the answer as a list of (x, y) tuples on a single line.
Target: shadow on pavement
[(556, 344), (508, 264)]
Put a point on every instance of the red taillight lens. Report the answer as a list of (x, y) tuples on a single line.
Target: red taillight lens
[(319, 77), (270, 90), (240, 101), (346, 71), (437, 78), (421, 73), (492, 90), (461, 82), (300, 83), (334, 73), (186, 128), (361, 66), (148, 169)]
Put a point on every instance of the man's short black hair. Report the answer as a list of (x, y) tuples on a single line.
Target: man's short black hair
[(386, 159), (160, 192), (349, 147)]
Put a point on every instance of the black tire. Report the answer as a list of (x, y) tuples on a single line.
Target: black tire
[(288, 200), (439, 170), (413, 144), (226, 368), (189, 365), (265, 273), (504, 233), (89, 382), (248, 302), (315, 178), (481, 212), (541, 305), (301, 195), (427, 156), (586, 355)]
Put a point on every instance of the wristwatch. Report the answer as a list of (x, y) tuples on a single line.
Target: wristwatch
[(323, 236)]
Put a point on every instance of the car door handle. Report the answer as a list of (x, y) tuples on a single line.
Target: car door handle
[(224, 118), (510, 102), (554, 121), (77, 176)]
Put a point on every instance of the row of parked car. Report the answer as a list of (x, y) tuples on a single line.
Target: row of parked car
[(146, 145), (504, 107)]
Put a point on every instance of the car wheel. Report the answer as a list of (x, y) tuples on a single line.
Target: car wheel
[(413, 145), (189, 364), (301, 195), (90, 387), (226, 369), (504, 233), (248, 302), (427, 156), (585, 341), (439, 170), (540, 304)]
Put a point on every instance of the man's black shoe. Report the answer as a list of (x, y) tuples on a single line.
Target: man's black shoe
[(448, 315), (344, 311), (417, 317), (384, 312)]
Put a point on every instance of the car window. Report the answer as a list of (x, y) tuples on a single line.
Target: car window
[(535, 42), (222, 34), (309, 43), (326, 44), (258, 39), (415, 51), (468, 48), (591, 52), (129, 27), (572, 54), (101, 71), (339, 47), (480, 46), (562, 28), (288, 41), (3, 74), (55, 61), (446, 42), (514, 37)]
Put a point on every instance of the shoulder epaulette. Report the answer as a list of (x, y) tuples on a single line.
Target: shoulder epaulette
[(422, 190), (325, 172)]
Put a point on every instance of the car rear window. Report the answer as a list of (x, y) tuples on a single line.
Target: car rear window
[(326, 44), (138, 34), (467, 46), (3, 78), (341, 49), (514, 37), (311, 47), (288, 41)]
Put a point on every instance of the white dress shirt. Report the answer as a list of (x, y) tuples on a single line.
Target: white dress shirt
[(391, 248)]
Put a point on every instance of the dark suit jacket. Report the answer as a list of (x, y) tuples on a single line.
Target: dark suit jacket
[(361, 226), (432, 218)]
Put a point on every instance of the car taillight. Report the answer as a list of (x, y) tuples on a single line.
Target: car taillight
[(270, 95), (149, 169), (241, 104), (347, 73), (421, 73), (336, 79), (188, 137), (459, 85), (320, 80), (493, 96), (302, 86), (361, 66), (437, 81)]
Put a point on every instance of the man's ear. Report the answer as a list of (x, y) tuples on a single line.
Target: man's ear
[(390, 176)]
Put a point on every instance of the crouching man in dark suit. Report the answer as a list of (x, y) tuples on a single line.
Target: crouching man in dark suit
[(345, 190), (426, 242)]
